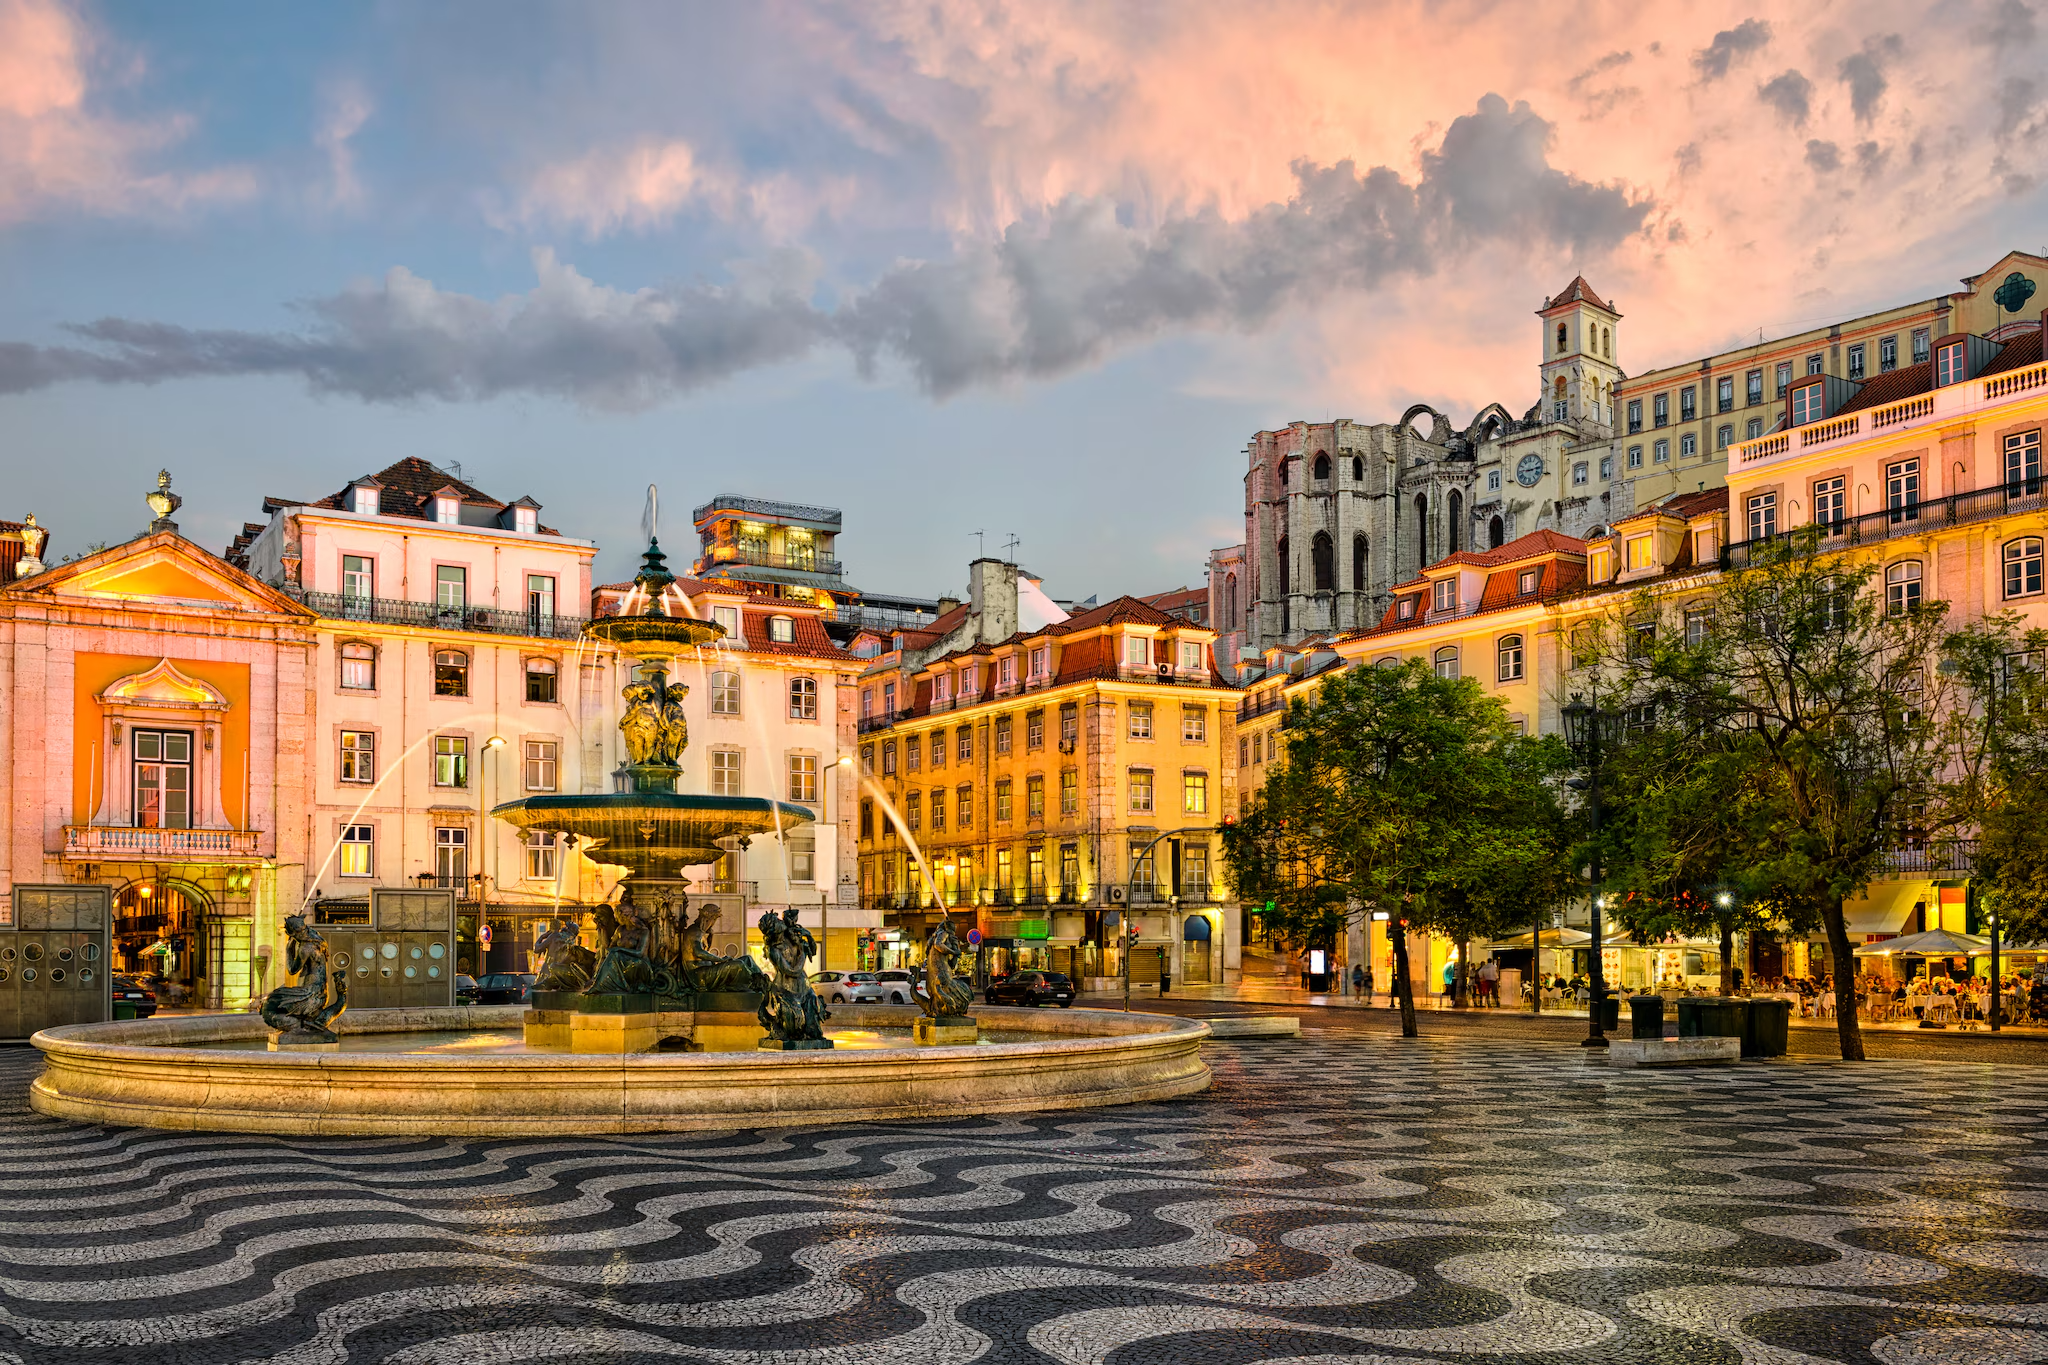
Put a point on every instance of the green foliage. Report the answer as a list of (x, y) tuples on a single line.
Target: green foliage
[(2004, 780)]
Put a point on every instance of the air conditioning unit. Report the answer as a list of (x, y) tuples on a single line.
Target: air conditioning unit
[(1115, 895), (1166, 670)]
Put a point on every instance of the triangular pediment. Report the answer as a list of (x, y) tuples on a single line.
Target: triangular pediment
[(163, 685), (162, 568)]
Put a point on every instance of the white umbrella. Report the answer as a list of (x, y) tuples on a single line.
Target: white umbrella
[(1933, 943)]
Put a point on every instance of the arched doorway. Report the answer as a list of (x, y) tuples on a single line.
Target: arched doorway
[(1195, 962), (1496, 533), (163, 929)]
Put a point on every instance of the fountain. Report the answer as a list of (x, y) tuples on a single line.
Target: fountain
[(595, 1051)]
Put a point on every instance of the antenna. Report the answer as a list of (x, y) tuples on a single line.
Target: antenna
[(1010, 546), (980, 545)]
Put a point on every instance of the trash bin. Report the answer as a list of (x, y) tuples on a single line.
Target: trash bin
[(1688, 1016), (1610, 1013), (1765, 1027), (124, 1011), (1714, 1016), (1646, 1016)]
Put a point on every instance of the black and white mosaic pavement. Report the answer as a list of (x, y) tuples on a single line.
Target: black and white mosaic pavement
[(1347, 1199)]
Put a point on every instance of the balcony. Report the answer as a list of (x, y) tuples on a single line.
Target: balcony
[(725, 886), (1919, 519), (769, 510), (386, 611), (1934, 856), (767, 559), (1945, 404), (1146, 673), (1252, 710), (115, 843)]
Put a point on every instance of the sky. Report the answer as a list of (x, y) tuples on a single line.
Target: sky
[(1035, 270)]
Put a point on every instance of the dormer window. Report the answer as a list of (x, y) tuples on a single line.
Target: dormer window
[(1638, 551), (1405, 609), (363, 501), (1949, 364), (525, 520), (1137, 651), (782, 630), (1808, 404), (1446, 595), (1526, 582), (1041, 661), (448, 511)]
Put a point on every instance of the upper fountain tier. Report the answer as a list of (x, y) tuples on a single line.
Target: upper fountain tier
[(653, 633)]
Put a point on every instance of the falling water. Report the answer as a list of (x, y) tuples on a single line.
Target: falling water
[(368, 796), (869, 785)]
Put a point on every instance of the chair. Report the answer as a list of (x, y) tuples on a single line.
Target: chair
[(1941, 1009)]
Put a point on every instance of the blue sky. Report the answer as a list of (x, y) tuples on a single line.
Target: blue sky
[(949, 266)]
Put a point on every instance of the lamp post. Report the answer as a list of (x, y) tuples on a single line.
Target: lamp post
[(1588, 730), (1992, 921)]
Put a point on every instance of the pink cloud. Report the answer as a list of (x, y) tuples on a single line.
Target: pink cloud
[(651, 182), (57, 153)]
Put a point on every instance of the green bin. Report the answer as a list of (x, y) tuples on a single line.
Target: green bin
[(1714, 1016), (1766, 1025), (124, 1011)]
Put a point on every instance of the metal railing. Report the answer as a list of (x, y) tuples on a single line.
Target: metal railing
[(725, 886), (1252, 710), (870, 724), (768, 559), (387, 611), (119, 841), (1140, 673), (1936, 855), (1921, 518), (762, 507)]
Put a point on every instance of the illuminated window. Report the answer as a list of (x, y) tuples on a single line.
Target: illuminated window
[(358, 849), (1194, 793), (540, 680), (451, 673), (451, 761), (1141, 720), (725, 772), (359, 667), (1141, 789), (358, 756), (543, 851)]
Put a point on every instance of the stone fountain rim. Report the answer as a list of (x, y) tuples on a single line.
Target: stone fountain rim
[(682, 801)]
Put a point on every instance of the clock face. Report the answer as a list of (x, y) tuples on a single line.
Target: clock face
[(1529, 470)]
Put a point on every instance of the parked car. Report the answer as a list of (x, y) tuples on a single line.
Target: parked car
[(1031, 988), (839, 988), (891, 988), (133, 999), (504, 988), (466, 989)]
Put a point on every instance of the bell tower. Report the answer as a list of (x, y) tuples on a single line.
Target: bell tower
[(1578, 370)]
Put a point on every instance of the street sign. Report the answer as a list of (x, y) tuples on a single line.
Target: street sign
[(974, 938)]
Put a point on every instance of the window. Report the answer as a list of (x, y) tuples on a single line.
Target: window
[(1194, 724), (1688, 404), (1493, 481), (1753, 388), (451, 857), (889, 699), (867, 819), (1041, 661), (358, 756), (541, 852), (451, 761), (1447, 662), (359, 667), (1321, 471), (867, 702), (1141, 789), (963, 743), (1636, 553), (1561, 334), (867, 759), (1070, 792), (541, 763), (1034, 798), (966, 808), (1808, 404), (1902, 490), (725, 694), (358, 586), (540, 604), (1606, 470), (1660, 451), (803, 698), (913, 752), (1244, 753), (448, 511), (1070, 870), (1070, 727), (725, 772), (1887, 354), (1581, 473), (1763, 516), (1445, 592), (1856, 362), (1006, 670), (163, 778), (1527, 581), (1724, 394), (1137, 651), (1724, 436), (1830, 503), (1706, 548), (2023, 567), (1404, 609), (1635, 457), (363, 501), (1508, 658), (540, 680), (938, 808), (1635, 415), (1141, 720), (782, 630), (803, 778), (1753, 428), (1190, 656), (451, 588), (727, 619), (1813, 364), (1660, 410), (358, 847), (2023, 463), (1194, 793), (1902, 587), (1784, 377), (942, 684), (913, 811), (1002, 734), (525, 520), (938, 749), (888, 758), (1698, 621), (1921, 341), (1688, 446), (1034, 731), (451, 673)]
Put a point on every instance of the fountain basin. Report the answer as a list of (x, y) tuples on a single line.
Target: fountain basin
[(654, 834), (176, 1073)]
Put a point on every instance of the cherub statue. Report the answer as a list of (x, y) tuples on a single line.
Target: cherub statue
[(641, 725), (625, 969), (675, 730), (301, 1013)]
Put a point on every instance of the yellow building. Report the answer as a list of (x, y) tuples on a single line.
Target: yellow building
[(1055, 782)]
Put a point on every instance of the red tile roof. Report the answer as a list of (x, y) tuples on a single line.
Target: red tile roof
[(404, 489), (1578, 291), (2020, 352), (1890, 387), (1116, 612), (811, 641)]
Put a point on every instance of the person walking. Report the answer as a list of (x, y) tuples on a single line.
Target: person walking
[(1357, 979), (1368, 983), (1489, 982)]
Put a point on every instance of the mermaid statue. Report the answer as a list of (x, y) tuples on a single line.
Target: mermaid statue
[(565, 965), (302, 1012), (693, 966), (790, 1010), (625, 969), (944, 995)]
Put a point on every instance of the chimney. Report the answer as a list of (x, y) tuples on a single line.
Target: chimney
[(992, 593), (946, 604)]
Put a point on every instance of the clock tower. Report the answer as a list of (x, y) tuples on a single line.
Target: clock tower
[(1578, 371)]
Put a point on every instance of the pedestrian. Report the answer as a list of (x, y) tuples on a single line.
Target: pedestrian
[(1357, 979), (1489, 982), (1368, 983)]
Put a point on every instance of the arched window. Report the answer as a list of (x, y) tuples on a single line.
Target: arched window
[(1283, 471), (1561, 334), (1357, 469), (1322, 467), (359, 667), (1286, 574), (2023, 567), (1421, 531), (1508, 658), (1447, 662), (451, 673), (1606, 344), (1358, 563), (1496, 533), (1557, 389), (1902, 587), (1457, 515), (540, 680), (1387, 662), (725, 694), (1724, 436), (1230, 601), (803, 700), (1323, 558)]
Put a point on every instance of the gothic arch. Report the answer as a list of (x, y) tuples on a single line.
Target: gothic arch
[(1421, 532), (1457, 515), (1496, 533), (1437, 423), (1358, 548), (1489, 423), (1322, 468), (1286, 576), (1322, 554)]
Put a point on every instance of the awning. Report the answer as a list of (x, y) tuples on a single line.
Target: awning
[(1552, 938), (1933, 943)]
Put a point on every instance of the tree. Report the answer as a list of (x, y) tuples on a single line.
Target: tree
[(1404, 792), (2003, 778)]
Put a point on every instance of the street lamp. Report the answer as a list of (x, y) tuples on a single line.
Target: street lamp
[(1589, 730)]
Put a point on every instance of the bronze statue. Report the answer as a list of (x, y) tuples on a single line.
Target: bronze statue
[(944, 995), (695, 967), (790, 1010), (625, 969), (675, 730), (641, 723), (566, 965), (301, 1013)]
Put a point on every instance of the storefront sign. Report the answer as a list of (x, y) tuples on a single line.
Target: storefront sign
[(1034, 928)]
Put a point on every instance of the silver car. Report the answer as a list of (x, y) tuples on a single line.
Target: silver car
[(839, 988), (891, 987)]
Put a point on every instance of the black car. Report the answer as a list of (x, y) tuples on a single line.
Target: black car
[(133, 999), (466, 989), (504, 988), (1031, 988)]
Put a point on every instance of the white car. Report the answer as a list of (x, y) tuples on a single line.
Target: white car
[(838, 988), (885, 988)]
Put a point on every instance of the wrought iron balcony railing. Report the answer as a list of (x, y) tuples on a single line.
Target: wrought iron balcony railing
[(387, 611)]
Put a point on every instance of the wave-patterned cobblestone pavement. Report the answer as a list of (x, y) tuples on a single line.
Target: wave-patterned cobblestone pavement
[(1344, 1198)]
